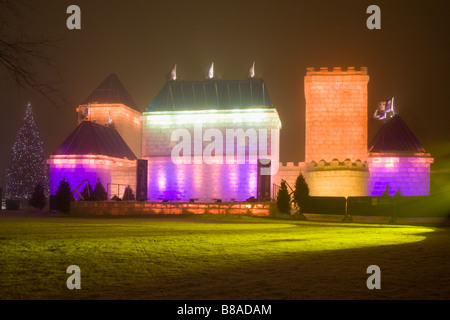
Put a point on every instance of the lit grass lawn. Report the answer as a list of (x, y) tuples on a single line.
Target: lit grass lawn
[(120, 254)]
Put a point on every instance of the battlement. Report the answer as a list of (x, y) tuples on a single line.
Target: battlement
[(335, 164), (337, 178), (287, 165), (313, 71)]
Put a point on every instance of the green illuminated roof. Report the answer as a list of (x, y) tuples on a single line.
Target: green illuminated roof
[(211, 94)]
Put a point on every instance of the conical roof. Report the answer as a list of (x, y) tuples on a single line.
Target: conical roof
[(395, 136), (111, 90), (95, 139)]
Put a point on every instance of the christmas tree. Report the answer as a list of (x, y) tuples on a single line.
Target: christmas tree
[(28, 166)]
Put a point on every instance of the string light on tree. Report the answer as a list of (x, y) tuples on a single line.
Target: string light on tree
[(28, 166)]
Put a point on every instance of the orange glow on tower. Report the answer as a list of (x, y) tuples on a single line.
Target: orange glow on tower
[(125, 120), (336, 131), (110, 104), (336, 114)]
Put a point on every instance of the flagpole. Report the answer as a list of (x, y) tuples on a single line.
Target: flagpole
[(393, 106)]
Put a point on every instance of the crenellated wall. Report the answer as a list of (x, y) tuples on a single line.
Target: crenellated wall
[(337, 179), (289, 172)]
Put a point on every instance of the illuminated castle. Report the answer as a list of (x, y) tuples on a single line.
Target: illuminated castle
[(337, 159), (205, 110), (120, 146)]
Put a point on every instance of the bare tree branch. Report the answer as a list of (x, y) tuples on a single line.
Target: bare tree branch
[(21, 56)]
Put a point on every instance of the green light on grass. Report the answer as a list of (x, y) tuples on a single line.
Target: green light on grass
[(119, 253)]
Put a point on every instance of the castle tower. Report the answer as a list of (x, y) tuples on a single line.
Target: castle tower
[(110, 104), (336, 114), (336, 131), (398, 160), (93, 152)]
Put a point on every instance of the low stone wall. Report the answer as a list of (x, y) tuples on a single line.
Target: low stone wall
[(124, 208)]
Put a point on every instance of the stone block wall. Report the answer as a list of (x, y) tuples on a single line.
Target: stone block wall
[(158, 128), (123, 174), (336, 114), (208, 181), (409, 174), (77, 168), (204, 182), (337, 179), (133, 208)]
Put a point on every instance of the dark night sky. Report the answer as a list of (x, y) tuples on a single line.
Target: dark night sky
[(141, 40)]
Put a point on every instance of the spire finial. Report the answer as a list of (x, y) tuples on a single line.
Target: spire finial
[(251, 73), (173, 74), (211, 71)]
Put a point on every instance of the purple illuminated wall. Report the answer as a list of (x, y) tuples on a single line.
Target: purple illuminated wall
[(204, 182), (76, 173), (409, 174)]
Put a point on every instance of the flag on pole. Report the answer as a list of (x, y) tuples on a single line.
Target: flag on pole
[(384, 107), (379, 116)]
